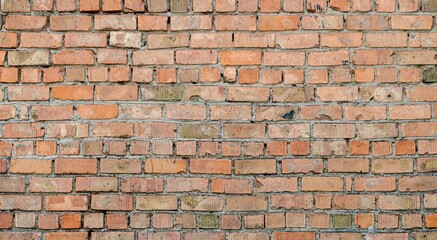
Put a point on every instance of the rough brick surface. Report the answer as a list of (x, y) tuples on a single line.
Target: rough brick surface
[(218, 119)]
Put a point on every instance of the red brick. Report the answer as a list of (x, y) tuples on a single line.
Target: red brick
[(246, 203), (21, 22), (331, 184), (231, 186), (406, 22), (193, 22), (293, 6), (278, 23), (403, 165), (71, 221), (152, 23), (230, 23), (366, 22), (331, 22), (115, 22), (210, 166), (112, 202), (418, 57), (66, 203), (96, 184), (156, 203), (284, 59)]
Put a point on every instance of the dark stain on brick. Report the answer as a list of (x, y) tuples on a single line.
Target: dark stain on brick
[(289, 115), (429, 75)]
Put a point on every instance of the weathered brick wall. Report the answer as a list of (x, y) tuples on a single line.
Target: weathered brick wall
[(224, 119)]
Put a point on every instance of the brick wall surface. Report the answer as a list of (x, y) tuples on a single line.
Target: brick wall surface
[(218, 119)]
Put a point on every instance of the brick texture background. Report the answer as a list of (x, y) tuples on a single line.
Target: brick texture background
[(224, 119)]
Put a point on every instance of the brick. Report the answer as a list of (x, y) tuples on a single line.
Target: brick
[(74, 57), (72, 221), (366, 22), (254, 40), (202, 6), (211, 40), (120, 166), (232, 23), (96, 184), (399, 202), (159, 41), (403, 165), (115, 22), (422, 57), (426, 164), (125, 39), (321, 112), (21, 22), (410, 112), (334, 131), (8, 75), (187, 184), (85, 40), (194, 22), (375, 184), (360, 165), (240, 57), (278, 23), (12, 184), (377, 130), (51, 113), (341, 40), (245, 167), (328, 58), (152, 57), (15, 6), (17, 202), (331, 184), (276, 184), (417, 183), (246, 203), (66, 203), (75, 166), (48, 221), (156, 203), (385, 6), (11, 40), (406, 22), (196, 57), (331, 93), (210, 166), (30, 166), (28, 58), (112, 93), (296, 94), (225, 5), (302, 166), (284, 59), (111, 202), (300, 40), (248, 94), (330, 22), (152, 23), (156, 165), (202, 203), (70, 23), (231, 186), (112, 235), (72, 92), (395, 39)]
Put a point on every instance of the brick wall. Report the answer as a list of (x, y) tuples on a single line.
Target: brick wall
[(224, 119)]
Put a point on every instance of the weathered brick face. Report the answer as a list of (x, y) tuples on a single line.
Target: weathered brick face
[(218, 119)]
